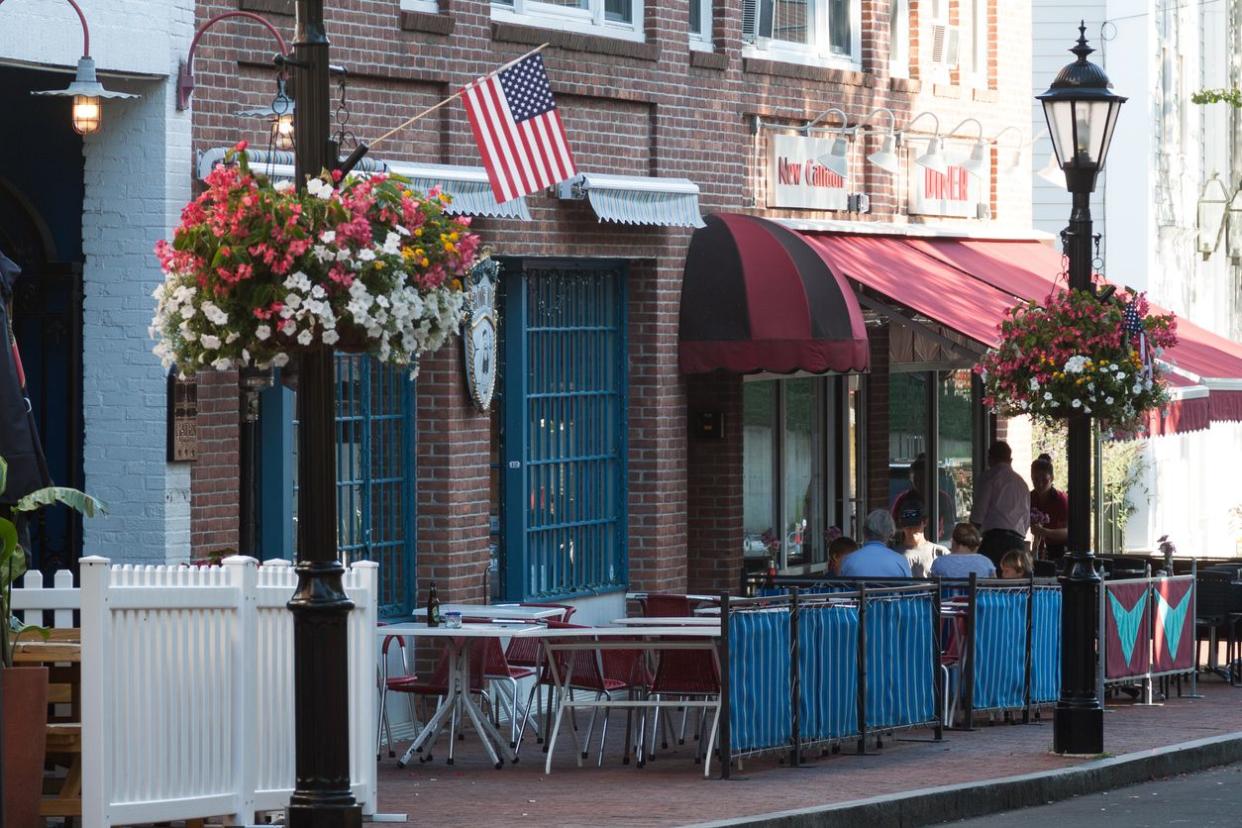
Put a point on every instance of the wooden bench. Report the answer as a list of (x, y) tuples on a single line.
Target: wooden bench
[(62, 654)]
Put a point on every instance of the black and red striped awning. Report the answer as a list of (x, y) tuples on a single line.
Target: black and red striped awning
[(758, 297)]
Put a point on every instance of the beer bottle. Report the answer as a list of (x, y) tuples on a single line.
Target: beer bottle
[(433, 607)]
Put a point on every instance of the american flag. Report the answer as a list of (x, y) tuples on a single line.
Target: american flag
[(518, 130)]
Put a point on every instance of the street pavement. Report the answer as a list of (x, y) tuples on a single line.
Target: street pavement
[(672, 791), (1202, 799)]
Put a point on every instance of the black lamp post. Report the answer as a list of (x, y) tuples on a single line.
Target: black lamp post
[(1081, 113), (321, 797)]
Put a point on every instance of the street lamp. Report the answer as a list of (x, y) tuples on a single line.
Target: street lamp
[(1081, 114), (86, 90), (279, 114)]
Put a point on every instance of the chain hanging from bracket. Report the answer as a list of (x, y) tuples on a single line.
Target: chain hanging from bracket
[(343, 134)]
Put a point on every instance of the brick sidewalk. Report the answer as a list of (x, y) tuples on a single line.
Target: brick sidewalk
[(672, 790)]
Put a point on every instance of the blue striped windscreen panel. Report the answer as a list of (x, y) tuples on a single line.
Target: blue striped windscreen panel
[(759, 704), (900, 676), (1046, 645), (1000, 648), (828, 672)]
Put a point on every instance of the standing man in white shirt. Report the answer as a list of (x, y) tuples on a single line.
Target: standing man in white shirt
[(1002, 504)]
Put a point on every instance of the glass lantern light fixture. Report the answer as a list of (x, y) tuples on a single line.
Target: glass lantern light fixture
[(86, 90), (1210, 215), (1081, 114), (1233, 233), (279, 114)]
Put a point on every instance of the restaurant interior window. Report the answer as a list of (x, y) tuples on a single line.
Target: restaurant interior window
[(791, 489), (899, 39), (759, 435), (908, 419), (803, 30), (955, 449)]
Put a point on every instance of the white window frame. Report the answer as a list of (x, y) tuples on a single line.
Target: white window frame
[(590, 20), (819, 51), (427, 6), (701, 41), (938, 14), (978, 75), (899, 45)]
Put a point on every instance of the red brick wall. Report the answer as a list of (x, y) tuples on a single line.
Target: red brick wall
[(214, 481), (646, 109), (714, 500)]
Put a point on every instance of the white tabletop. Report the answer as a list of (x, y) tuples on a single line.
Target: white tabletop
[(494, 630), (684, 631), (493, 611), (678, 621), (641, 596)]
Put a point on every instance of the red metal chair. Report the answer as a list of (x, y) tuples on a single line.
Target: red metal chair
[(602, 672), (665, 605), (396, 684), (527, 654), (437, 686), (684, 674)]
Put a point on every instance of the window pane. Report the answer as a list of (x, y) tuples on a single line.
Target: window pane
[(839, 26), (802, 449), (791, 21), (620, 11), (907, 439), (761, 539), (571, 4), (956, 472), (851, 521), (696, 17)]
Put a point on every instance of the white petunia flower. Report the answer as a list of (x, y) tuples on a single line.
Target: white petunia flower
[(327, 236), (305, 337), (1108, 400), (1075, 364), (1047, 395), (330, 337), (211, 343), (188, 311), (280, 360), (262, 332), (1076, 403), (222, 364)]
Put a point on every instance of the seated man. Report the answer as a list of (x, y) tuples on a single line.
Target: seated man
[(917, 549), (874, 559)]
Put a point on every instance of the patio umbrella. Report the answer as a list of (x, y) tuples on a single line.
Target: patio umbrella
[(19, 440)]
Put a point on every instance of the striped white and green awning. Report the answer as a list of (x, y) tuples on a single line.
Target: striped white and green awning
[(636, 199)]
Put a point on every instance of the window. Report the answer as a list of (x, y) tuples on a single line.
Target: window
[(794, 486), (899, 39), (613, 18), (429, 6), (977, 71), (942, 42), (808, 31), (701, 25)]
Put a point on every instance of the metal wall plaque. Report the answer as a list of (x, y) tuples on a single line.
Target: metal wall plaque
[(182, 419)]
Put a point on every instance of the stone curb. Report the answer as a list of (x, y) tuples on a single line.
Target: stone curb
[(929, 806)]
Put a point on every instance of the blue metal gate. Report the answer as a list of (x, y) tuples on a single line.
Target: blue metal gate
[(375, 475), (564, 441)]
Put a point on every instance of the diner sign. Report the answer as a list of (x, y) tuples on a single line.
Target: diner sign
[(797, 179), (955, 192)]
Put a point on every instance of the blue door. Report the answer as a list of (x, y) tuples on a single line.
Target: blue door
[(563, 445), (375, 474)]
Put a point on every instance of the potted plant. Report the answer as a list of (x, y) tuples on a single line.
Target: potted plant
[(1078, 354), (23, 690), (257, 272)]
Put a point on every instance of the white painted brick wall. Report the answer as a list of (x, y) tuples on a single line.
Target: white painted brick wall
[(137, 177)]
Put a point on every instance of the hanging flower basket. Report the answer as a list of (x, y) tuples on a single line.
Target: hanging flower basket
[(257, 272), (1080, 355)]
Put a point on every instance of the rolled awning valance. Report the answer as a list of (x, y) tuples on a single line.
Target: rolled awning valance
[(637, 199), (757, 297)]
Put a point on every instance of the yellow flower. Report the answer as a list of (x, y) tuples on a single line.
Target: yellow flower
[(449, 247), (452, 237), (455, 284), (418, 232), (379, 265), (425, 262)]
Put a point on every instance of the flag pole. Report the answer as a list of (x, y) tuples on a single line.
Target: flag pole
[(452, 98)]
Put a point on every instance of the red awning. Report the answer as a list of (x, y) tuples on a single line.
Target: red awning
[(967, 285), (757, 297), (919, 282)]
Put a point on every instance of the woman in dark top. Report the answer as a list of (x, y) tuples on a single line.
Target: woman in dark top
[(1049, 511)]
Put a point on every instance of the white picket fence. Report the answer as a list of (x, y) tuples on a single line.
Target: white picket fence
[(187, 687)]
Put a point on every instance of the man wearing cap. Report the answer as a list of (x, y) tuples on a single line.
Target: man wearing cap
[(917, 549), (874, 559), (1002, 505)]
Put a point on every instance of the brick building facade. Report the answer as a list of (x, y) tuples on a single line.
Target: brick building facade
[(683, 91)]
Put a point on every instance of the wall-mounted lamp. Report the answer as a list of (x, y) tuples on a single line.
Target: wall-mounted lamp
[(933, 159), (837, 158), (185, 74), (1210, 216), (1009, 159), (279, 114), (86, 90), (977, 162), (886, 156), (1233, 235)]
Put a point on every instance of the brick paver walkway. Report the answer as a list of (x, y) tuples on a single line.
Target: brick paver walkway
[(672, 790)]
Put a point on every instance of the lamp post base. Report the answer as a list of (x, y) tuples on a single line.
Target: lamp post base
[(1078, 730), (321, 814)]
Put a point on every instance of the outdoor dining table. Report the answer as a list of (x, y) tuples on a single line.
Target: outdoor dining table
[(669, 621), (457, 701), (495, 612), (648, 639)]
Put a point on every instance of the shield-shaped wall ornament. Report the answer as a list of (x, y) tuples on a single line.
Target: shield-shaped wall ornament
[(479, 334)]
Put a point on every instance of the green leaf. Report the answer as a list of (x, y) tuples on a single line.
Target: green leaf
[(74, 499), (4, 474), (12, 558)]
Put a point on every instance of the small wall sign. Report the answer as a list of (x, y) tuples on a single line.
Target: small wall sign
[(479, 336), (796, 178), (955, 192), (182, 419)]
